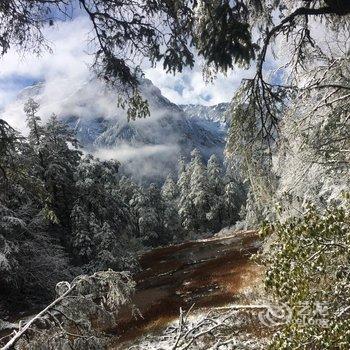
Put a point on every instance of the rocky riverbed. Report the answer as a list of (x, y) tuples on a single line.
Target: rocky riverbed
[(186, 297), (202, 275)]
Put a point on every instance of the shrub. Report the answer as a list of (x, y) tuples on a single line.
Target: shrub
[(308, 269)]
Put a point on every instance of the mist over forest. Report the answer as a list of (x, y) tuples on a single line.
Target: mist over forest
[(174, 175)]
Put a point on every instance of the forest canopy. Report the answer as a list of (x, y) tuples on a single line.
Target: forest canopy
[(287, 155), (63, 213), (223, 33)]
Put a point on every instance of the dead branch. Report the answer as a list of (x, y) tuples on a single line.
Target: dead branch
[(188, 334), (242, 307), (21, 331)]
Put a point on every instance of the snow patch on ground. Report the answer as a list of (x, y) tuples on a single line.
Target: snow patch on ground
[(207, 329)]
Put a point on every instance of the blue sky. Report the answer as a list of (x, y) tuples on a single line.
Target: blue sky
[(69, 59)]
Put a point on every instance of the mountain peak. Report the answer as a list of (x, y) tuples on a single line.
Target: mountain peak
[(216, 113), (148, 148)]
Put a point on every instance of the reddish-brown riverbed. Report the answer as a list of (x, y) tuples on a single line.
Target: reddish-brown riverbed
[(205, 273)]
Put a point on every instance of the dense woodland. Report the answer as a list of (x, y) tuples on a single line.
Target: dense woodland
[(64, 213)]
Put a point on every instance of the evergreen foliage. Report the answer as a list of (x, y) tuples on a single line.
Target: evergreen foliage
[(218, 31), (218, 196), (101, 222), (289, 141), (31, 255), (308, 269), (63, 213), (186, 211), (198, 194)]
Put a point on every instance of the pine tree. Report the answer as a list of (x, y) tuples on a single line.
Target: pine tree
[(185, 205), (170, 189), (31, 258), (147, 218), (33, 122), (127, 189), (83, 233), (231, 203), (216, 213), (54, 157), (163, 213), (101, 221), (61, 156), (36, 132), (199, 192), (172, 221)]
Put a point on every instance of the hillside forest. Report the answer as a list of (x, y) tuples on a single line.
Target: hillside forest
[(74, 227), (83, 216)]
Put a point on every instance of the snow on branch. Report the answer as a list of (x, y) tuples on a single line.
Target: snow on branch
[(68, 318)]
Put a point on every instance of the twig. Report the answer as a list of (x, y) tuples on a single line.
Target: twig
[(179, 330), (18, 334)]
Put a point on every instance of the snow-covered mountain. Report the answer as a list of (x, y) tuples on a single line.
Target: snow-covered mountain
[(147, 148), (216, 113)]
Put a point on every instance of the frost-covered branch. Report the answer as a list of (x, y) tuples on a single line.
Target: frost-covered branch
[(99, 296), (212, 328), (31, 322)]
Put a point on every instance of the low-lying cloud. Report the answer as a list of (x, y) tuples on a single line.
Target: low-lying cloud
[(125, 153)]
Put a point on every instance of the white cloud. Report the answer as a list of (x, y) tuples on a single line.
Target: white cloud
[(150, 162), (189, 87), (69, 60), (68, 41), (66, 69), (126, 152)]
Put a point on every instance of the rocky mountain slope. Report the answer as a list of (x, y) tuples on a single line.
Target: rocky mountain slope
[(213, 114), (149, 148)]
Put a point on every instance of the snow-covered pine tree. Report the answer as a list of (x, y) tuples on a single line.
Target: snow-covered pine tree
[(53, 157), (83, 232), (61, 156), (31, 259), (185, 204), (230, 203), (170, 191), (172, 221), (101, 221), (199, 192), (158, 205), (146, 216), (33, 122), (127, 189), (36, 131), (14, 208), (216, 213), (235, 196)]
